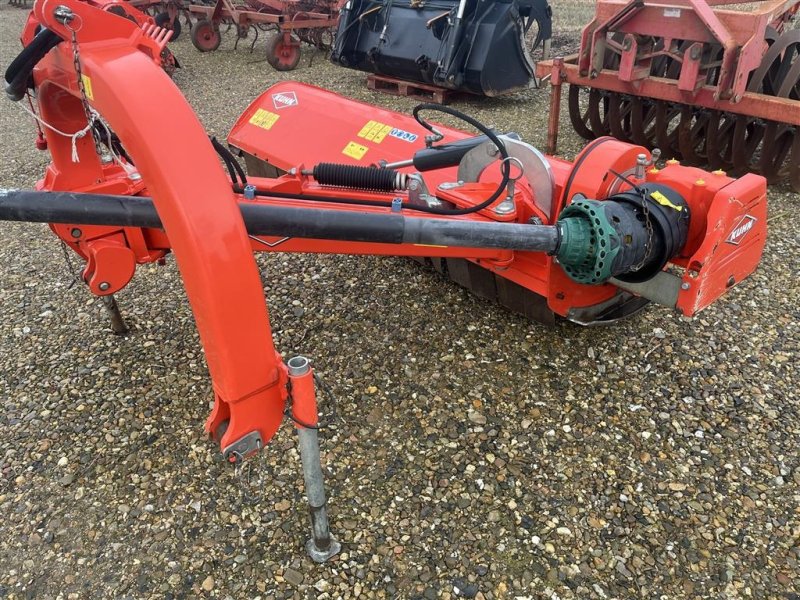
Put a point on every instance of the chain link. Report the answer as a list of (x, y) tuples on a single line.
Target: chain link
[(87, 109), (649, 226)]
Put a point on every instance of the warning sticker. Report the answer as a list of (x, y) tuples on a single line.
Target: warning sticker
[(264, 119), (354, 150), (87, 85), (374, 131)]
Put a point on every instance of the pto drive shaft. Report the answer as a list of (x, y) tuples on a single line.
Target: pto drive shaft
[(631, 235)]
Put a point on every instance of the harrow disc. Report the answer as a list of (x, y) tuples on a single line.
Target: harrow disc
[(668, 116), (719, 145), (579, 111), (693, 135), (700, 136), (766, 147), (643, 119), (599, 117), (619, 117)]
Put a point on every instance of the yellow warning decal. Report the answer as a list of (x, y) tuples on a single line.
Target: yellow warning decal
[(367, 129), (382, 133), (87, 86), (354, 150), (664, 201), (264, 119), (374, 131)]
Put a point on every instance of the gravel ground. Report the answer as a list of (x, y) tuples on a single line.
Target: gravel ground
[(474, 454)]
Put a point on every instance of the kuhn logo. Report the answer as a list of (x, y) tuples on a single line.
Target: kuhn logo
[(741, 230), (284, 100)]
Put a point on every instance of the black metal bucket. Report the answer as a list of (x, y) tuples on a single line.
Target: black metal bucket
[(476, 46)]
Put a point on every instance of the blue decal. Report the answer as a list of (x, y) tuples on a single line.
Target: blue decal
[(403, 135)]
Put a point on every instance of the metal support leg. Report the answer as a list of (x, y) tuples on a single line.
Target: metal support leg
[(118, 325), (322, 544), (555, 106)]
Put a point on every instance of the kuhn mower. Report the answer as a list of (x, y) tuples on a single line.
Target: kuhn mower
[(590, 241), (707, 83)]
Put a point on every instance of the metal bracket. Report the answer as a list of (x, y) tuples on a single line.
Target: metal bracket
[(243, 447), (419, 194), (535, 167), (663, 288)]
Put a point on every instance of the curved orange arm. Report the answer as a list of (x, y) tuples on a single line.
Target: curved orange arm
[(193, 197)]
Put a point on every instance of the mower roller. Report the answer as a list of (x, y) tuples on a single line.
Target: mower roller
[(476, 46), (310, 21), (588, 241), (707, 85)]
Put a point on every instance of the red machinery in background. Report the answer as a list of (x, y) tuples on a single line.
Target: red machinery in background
[(706, 82), (310, 21), (166, 13), (590, 240)]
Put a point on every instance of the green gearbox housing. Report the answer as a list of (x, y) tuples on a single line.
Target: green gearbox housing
[(631, 235)]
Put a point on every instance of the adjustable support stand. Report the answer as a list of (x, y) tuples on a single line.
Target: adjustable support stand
[(322, 545)]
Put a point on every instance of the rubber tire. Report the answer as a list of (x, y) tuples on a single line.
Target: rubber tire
[(162, 20), (205, 37), (274, 47)]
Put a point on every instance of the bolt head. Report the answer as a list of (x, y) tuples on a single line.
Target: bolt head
[(63, 14), (104, 286), (685, 285), (76, 233)]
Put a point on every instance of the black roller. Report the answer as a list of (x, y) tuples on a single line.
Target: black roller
[(364, 178)]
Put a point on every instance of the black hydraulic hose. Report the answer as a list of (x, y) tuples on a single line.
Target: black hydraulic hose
[(505, 167), (286, 221), (234, 168), (228, 165), (236, 165), (19, 71)]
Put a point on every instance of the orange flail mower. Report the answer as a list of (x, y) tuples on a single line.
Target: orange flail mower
[(591, 240)]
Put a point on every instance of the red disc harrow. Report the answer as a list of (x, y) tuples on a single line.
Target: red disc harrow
[(706, 85)]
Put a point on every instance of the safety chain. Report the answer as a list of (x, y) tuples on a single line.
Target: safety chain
[(649, 226), (647, 221), (91, 115)]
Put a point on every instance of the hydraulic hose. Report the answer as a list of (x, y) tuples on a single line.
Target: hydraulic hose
[(505, 168), (19, 71)]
